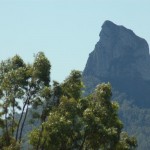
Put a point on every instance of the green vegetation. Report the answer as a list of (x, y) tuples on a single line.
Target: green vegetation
[(136, 122), (136, 119), (84, 123), (66, 119), (21, 86)]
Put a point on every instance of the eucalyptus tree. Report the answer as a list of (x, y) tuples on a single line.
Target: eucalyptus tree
[(71, 87), (11, 78), (21, 86), (83, 123)]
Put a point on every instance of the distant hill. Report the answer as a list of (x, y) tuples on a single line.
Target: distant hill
[(122, 58)]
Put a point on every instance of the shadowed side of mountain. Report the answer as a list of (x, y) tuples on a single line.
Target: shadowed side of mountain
[(121, 58)]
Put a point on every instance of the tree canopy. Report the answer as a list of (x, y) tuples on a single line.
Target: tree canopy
[(82, 123), (68, 121)]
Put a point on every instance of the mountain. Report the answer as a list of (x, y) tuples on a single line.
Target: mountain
[(121, 58)]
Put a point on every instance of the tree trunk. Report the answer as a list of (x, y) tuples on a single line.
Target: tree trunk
[(18, 126), (13, 119), (7, 134), (24, 120)]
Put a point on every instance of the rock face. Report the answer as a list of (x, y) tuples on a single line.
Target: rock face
[(122, 58)]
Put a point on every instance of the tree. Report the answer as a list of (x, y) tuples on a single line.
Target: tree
[(83, 123), (21, 86), (11, 79)]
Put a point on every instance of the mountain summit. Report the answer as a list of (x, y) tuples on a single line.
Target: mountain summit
[(121, 58)]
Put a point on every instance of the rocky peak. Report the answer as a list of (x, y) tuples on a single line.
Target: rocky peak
[(121, 58), (119, 52)]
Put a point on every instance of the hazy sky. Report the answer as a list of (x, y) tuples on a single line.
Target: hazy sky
[(66, 30)]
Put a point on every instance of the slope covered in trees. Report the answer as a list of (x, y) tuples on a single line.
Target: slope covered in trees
[(122, 58), (66, 119)]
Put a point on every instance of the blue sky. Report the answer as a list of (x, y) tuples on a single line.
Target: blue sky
[(66, 30)]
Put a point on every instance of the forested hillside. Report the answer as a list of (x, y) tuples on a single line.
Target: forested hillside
[(122, 58), (135, 119)]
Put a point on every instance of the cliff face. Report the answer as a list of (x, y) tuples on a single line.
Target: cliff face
[(122, 58)]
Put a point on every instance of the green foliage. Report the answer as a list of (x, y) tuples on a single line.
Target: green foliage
[(41, 68), (83, 123), (67, 120), (136, 122), (136, 119), (126, 142), (72, 85), (13, 144), (21, 86)]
